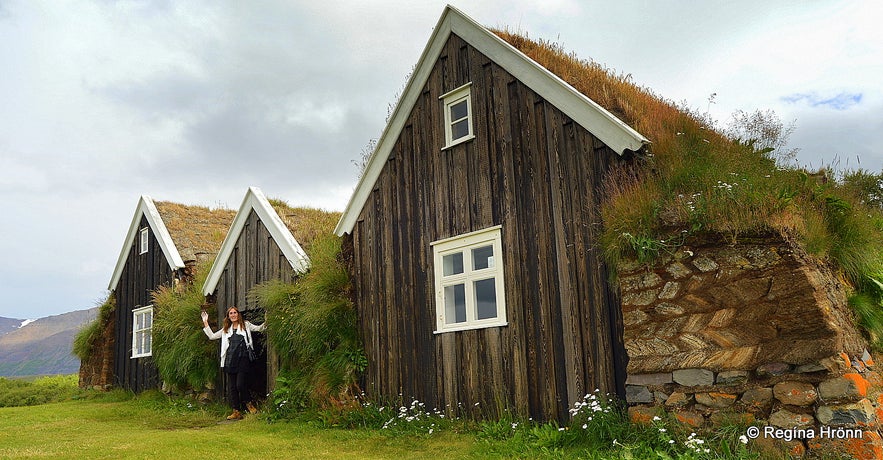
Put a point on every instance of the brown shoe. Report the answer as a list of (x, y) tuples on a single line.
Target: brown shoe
[(251, 408), (236, 415)]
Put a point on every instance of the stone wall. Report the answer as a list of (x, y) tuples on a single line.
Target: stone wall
[(733, 307), (836, 393), (754, 332), (97, 371)]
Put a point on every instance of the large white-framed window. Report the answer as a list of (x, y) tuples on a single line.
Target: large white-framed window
[(143, 240), (458, 115), (142, 332), (469, 288)]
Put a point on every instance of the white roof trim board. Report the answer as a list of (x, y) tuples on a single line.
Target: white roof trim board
[(160, 232), (601, 123), (255, 200)]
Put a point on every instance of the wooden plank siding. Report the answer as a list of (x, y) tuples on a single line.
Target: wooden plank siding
[(142, 274), (256, 259), (533, 171)]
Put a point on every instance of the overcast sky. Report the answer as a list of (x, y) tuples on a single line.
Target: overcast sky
[(102, 101)]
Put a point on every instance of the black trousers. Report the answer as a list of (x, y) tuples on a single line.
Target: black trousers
[(237, 384)]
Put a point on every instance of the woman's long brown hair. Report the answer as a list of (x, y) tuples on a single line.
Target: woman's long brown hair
[(228, 323)]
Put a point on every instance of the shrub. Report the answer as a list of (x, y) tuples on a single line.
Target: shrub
[(14, 393), (313, 326), (183, 355)]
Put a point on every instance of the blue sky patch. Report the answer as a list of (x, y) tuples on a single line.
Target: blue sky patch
[(841, 101)]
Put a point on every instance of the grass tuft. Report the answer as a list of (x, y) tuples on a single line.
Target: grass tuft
[(313, 326), (182, 354), (87, 338)]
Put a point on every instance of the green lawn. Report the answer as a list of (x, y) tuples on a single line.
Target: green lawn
[(118, 424), (132, 429)]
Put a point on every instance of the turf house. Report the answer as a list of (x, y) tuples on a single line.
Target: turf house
[(164, 243), (262, 245), (474, 259)]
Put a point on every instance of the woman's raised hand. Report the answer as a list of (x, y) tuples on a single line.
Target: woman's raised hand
[(204, 317)]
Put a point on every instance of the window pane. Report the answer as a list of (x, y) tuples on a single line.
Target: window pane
[(460, 129), (453, 264), (148, 343), (485, 299), (148, 320), (137, 347), (458, 110), (483, 257), (138, 322), (455, 304)]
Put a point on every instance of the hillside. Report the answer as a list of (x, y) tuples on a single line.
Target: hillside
[(8, 325), (42, 346)]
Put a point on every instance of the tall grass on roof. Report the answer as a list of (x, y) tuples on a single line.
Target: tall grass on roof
[(183, 355), (696, 179), (314, 328), (305, 223)]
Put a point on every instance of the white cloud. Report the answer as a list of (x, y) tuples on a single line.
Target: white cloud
[(195, 101), (18, 177)]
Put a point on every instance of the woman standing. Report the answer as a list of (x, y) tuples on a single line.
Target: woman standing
[(235, 341)]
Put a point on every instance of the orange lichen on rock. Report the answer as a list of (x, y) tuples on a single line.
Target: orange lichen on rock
[(868, 447), (860, 383)]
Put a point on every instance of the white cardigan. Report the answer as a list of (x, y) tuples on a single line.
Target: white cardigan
[(225, 336)]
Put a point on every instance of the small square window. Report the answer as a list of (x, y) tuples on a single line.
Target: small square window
[(144, 240), (458, 115), (142, 332), (469, 281)]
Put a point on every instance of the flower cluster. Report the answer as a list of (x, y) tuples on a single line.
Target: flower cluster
[(725, 186), (696, 444), (691, 201), (414, 416), (589, 406)]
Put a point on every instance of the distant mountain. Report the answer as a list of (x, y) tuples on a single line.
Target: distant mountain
[(8, 325), (42, 346)]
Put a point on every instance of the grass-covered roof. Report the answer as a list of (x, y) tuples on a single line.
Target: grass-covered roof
[(694, 179), (195, 230), (305, 223)]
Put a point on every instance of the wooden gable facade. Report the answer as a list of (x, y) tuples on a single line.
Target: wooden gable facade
[(150, 258), (260, 246), (533, 170)]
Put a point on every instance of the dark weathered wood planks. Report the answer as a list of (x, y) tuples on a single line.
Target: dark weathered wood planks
[(142, 274), (536, 173), (256, 258)]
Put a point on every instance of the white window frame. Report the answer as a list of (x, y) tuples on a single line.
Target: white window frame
[(145, 239), (465, 243), (142, 337), (450, 99)]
